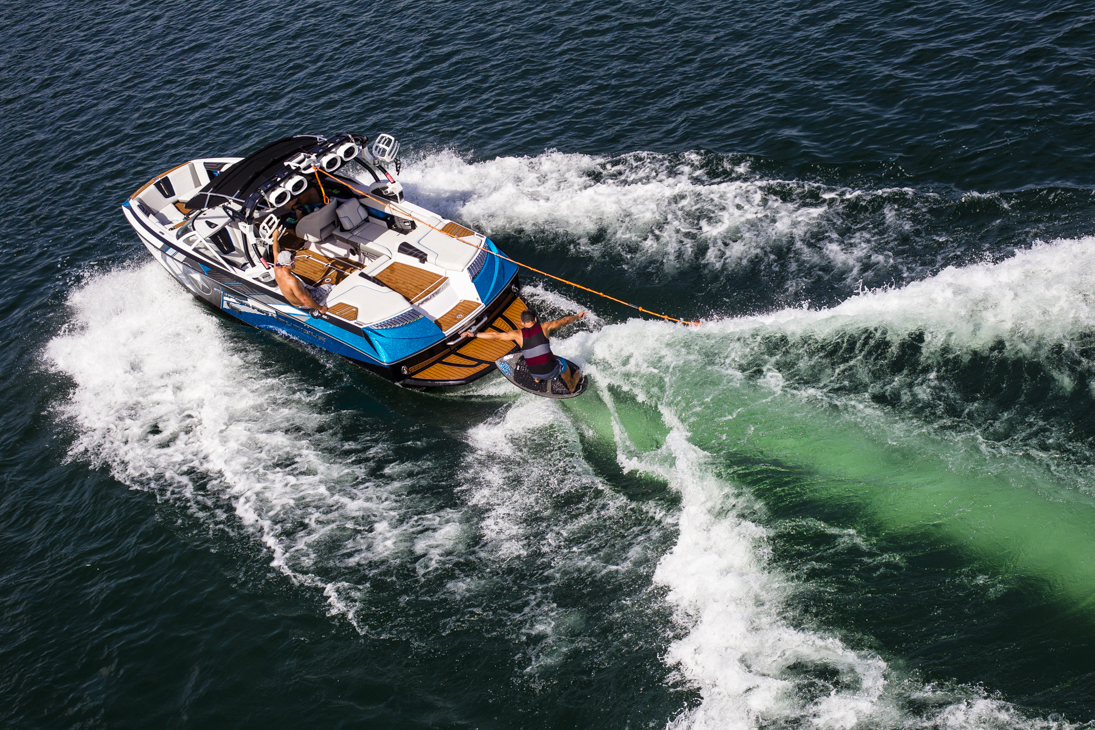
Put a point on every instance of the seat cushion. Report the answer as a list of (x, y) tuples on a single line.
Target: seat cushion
[(317, 225), (351, 214)]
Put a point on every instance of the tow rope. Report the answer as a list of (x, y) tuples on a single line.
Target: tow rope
[(389, 204), (320, 184)]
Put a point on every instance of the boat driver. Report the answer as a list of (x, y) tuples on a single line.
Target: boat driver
[(296, 291), (532, 338)]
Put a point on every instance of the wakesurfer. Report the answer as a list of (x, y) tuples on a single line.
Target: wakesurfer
[(532, 338)]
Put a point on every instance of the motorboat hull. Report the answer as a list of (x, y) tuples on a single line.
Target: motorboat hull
[(421, 352)]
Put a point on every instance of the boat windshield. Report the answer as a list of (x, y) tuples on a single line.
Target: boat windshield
[(188, 227)]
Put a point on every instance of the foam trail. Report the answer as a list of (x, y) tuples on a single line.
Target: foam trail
[(754, 664), (739, 651), (543, 511), (1039, 295), (170, 405), (653, 210)]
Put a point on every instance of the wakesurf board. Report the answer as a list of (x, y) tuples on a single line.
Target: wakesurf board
[(567, 384)]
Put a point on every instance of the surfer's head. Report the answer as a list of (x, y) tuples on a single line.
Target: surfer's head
[(528, 316)]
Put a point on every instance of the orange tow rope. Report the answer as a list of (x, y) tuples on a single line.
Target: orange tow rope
[(324, 192), (389, 204)]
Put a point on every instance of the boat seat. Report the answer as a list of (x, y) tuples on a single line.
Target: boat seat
[(318, 224), (351, 214), (184, 181), (358, 231), (339, 248)]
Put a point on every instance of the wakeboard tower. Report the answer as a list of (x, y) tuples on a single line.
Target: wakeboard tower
[(568, 384)]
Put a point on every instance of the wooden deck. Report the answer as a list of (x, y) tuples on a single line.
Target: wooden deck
[(448, 320), (457, 230), (476, 355), (413, 283), (343, 310), (315, 268)]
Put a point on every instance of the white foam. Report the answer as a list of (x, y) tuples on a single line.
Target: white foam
[(514, 491), (165, 399), (170, 403), (1037, 297), (655, 209), (739, 651), (752, 666), (540, 506), (1040, 294)]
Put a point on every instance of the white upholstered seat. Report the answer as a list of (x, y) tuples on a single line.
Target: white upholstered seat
[(318, 224), (351, 214)]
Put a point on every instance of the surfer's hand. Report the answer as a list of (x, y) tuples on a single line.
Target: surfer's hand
[(582, 315), (465, 333)]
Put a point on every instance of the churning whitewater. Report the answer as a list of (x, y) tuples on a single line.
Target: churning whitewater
[(636, 521), (665, 216)]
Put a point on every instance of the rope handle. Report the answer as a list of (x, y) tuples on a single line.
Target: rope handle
[(389, 204)]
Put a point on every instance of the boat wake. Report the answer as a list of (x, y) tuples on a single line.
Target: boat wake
[(643, 526), (745, 236)]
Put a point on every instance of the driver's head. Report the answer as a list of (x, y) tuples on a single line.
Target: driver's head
[(286, 258)]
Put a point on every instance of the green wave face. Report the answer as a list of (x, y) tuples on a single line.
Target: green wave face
[(776, 406)]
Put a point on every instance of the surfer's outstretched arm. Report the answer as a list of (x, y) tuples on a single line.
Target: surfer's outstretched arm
[(513, 336), (555, 324)]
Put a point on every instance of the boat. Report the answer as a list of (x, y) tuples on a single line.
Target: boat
[(404, 282)]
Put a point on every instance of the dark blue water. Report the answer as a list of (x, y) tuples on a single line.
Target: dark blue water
[(861, 495)]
